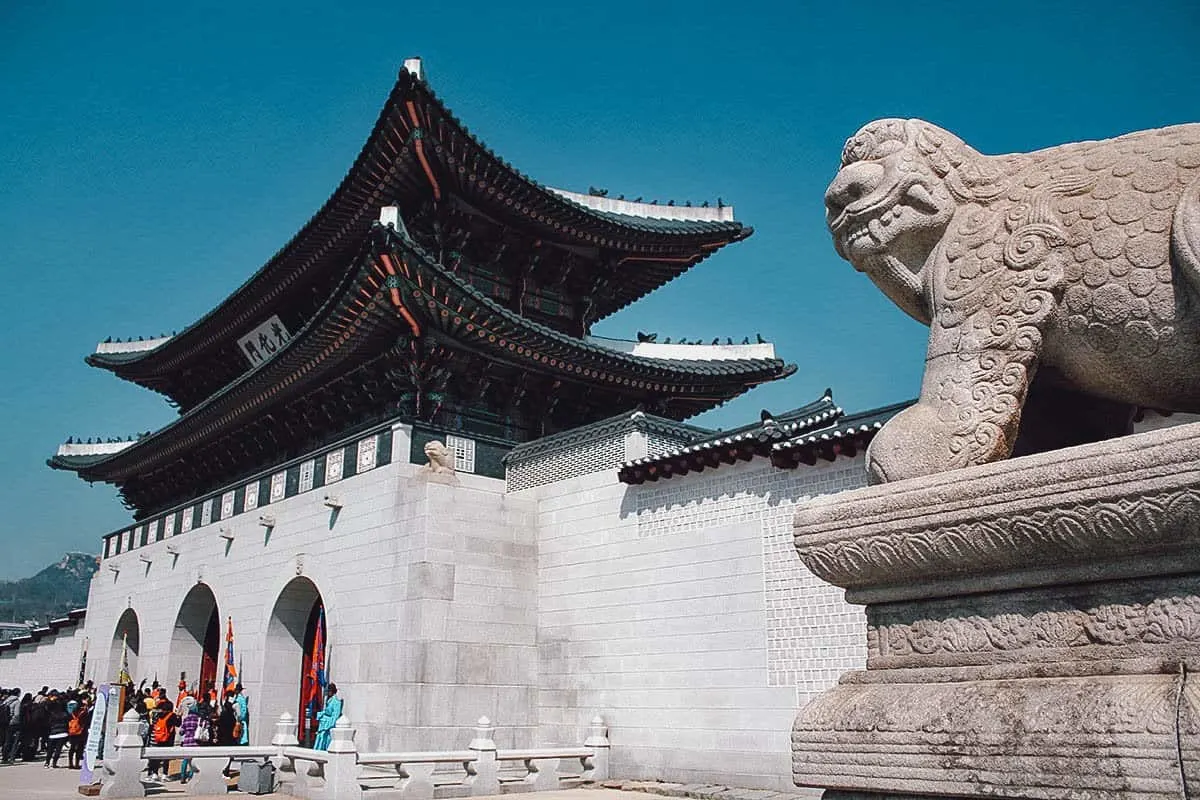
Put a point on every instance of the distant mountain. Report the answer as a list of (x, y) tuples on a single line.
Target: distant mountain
[(51, 593)]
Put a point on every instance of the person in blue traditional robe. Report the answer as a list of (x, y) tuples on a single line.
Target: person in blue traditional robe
[(241, 710), (328, 717)]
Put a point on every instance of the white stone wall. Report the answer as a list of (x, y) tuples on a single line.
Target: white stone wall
[(680, 611), (676, 609), (429, 589), (51, 661)]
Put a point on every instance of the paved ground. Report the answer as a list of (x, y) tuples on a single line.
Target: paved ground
[(31, 780)]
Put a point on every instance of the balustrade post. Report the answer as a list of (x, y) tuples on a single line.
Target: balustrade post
[(598, 740), (285, 736), (208, 776), (486, 780), (124, 762), (341, 773)]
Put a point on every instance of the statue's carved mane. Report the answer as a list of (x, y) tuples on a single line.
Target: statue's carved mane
[(1094, 245)]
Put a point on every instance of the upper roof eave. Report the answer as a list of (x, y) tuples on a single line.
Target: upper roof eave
[(773, 367)]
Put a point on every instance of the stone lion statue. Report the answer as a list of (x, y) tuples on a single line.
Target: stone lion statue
[(441, 458), (1061, 287)]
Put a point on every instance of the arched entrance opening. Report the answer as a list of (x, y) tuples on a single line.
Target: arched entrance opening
[(196, 640), (126, 642), (295, 648)]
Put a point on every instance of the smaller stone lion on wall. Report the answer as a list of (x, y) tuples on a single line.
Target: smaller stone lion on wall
[(1061, 287), (440, 458)]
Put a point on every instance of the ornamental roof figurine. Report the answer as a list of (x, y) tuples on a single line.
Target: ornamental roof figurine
[(1062, 286), (439, 458)]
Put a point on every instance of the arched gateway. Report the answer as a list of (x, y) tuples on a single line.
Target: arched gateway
[(126, 642), (295, 652), (196, 639)]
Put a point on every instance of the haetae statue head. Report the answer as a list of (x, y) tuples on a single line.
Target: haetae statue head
[(899, 185)]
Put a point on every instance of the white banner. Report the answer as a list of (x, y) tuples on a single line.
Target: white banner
[(91, 750)]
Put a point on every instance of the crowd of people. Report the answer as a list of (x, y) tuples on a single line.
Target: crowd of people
[(36, 726), (40, 726), (193, 719)]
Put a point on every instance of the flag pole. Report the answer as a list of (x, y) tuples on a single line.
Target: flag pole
[(82, 664)]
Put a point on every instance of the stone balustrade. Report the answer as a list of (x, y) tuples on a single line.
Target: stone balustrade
[(343, 773)]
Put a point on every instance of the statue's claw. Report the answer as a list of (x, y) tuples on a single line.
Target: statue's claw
[(914, 443)]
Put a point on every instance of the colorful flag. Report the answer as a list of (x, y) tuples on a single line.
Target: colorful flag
[(231, 672), (316, 670), (123, 676)]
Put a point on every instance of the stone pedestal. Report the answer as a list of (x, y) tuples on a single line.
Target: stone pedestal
[(1033, 628)]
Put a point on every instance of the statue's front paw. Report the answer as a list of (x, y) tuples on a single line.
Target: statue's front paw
[(912, 444)]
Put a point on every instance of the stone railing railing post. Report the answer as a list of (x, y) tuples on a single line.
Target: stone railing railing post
[(285, 736), (123, 765), (486, 780), (598, 740), (341, 773)]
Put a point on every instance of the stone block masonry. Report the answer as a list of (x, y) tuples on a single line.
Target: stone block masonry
[(677, 609), (680, 609), (429, 589)]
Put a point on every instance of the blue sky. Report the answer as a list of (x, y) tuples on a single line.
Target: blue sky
[(152, 156)]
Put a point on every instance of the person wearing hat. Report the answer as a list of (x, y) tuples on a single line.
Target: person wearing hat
[(241, 709), (328, 717)]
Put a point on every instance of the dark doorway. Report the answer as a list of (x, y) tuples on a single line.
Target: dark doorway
[(312, 698)]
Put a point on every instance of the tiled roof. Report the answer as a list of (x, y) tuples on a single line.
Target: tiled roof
[(71, 620), (348, 328), (844, 438), (605, 428), (820, 429), (742, 443), (753, 369), (386, 169)]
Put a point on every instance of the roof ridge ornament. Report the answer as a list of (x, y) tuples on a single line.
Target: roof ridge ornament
[(415, 66)]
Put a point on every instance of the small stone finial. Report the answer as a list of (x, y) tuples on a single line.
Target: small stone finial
[(597, 733), (130, 716), (484, 735), (285, 731), (441, 458), (341, 738)]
